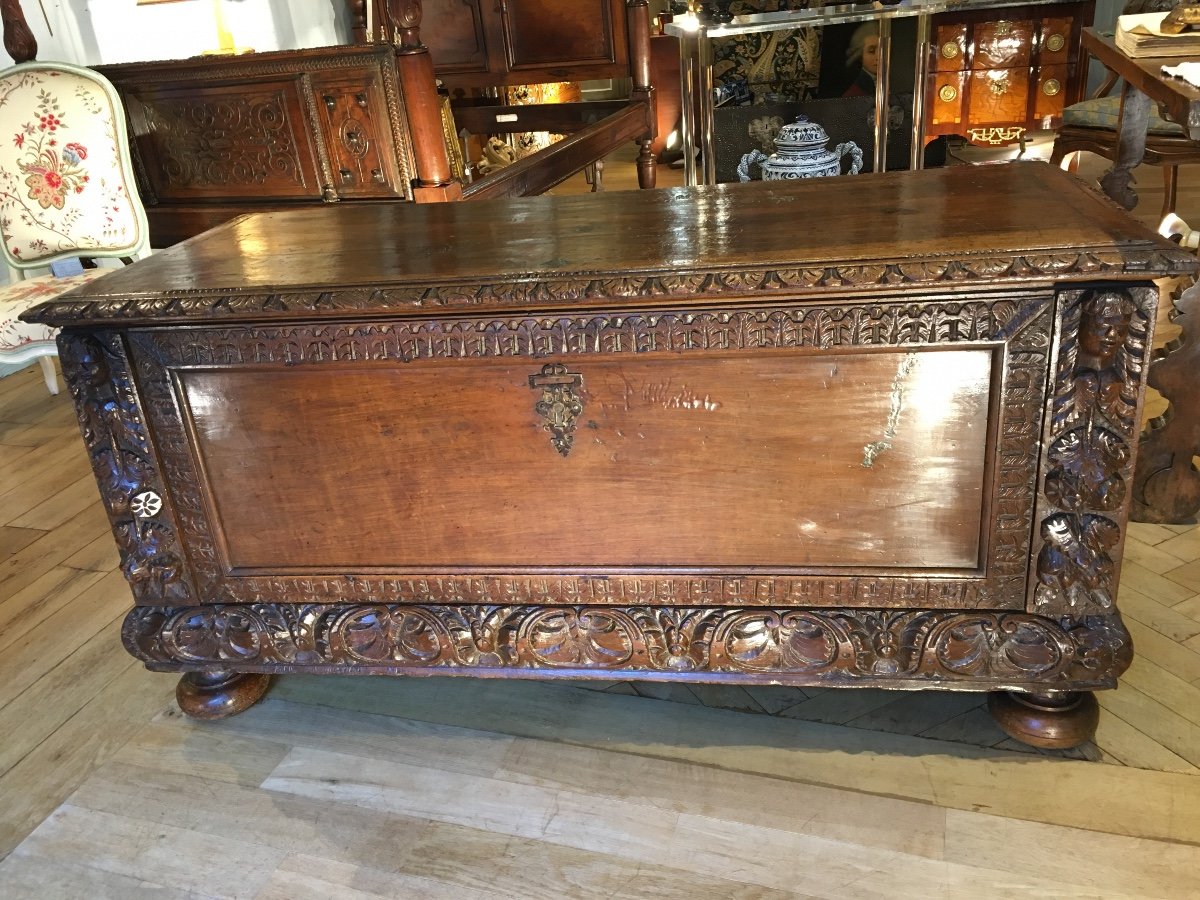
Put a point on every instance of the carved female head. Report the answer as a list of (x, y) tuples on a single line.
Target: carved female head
[(1104, 325)]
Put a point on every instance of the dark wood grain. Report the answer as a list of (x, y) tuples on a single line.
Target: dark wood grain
[(18, 39)]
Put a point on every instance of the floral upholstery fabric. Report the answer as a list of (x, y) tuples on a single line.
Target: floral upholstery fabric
[(22, 295), (63, 186), (1105, 112)]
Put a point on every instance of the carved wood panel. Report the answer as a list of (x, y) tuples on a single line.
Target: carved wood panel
[(1021, 325), (354, 123), (228, 142), (829, 647)]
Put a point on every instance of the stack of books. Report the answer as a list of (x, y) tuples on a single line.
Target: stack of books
[(1142, 35)]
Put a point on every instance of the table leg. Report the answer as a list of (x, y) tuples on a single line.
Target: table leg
[(708, 143), (1117, 182)]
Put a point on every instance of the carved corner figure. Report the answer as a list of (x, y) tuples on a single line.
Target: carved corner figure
[(1104, 336)]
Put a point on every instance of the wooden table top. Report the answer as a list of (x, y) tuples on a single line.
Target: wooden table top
[(1024, 221), (1179, 100)]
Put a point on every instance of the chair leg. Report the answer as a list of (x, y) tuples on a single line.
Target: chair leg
[(48, 373), (1170, 187)]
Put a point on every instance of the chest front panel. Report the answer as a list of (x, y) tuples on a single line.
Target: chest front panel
[(878, 455)]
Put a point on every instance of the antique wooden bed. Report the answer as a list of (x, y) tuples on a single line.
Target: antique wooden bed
[(218, 136)]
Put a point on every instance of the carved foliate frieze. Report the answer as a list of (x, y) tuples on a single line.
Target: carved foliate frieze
[(797, 646), (1104, 341), (114, 432), (1023, 327), (231, 141), (535, 289)]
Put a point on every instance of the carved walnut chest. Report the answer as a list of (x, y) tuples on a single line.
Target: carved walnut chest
[(873, 431)]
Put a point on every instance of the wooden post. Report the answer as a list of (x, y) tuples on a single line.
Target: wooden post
[(358, 20), (18, 39), (434, 181), (638, 15)]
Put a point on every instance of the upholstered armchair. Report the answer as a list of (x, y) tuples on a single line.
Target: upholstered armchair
[(66, 191)]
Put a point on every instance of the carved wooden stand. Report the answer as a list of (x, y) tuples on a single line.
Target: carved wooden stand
[(547, 392)]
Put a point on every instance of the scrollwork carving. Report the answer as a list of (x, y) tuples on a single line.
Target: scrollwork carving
[(809, 646), (239, 140), (114, 432)]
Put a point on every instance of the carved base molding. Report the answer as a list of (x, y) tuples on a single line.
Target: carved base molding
[(964, 650)]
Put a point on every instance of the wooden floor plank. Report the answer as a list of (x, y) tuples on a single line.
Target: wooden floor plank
[(1153, 585), (1154, 719), (1164, 652), (60, 634), (1132, 747), (44, 778), (14, 539), (24, 610), (313, 878), (27, 876), (32, 561), (176, 858), (1166, 620), (1077, 794), (61, 506), (706, 846), (42, 708)]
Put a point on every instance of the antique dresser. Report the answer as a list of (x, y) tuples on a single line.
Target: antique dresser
[(749, 433)]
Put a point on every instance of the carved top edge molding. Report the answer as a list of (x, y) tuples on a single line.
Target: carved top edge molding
[(535, 290), (290, 63)]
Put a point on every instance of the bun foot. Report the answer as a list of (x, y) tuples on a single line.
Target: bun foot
[(1055, 720), (215, 695)]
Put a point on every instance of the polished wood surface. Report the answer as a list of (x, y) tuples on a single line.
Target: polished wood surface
[(655, 232), (603, 460), (457, 433)]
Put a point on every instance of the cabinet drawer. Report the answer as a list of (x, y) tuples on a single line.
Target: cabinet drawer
[(1050, 94), (224, 141), (950, 47), (1003, 44), (357, 133), (1054, 45), (999, 96), (946, 97)]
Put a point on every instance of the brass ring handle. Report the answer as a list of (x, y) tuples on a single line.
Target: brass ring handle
[(1051, 87), (947, 93), (1055, 42), (950, 49)]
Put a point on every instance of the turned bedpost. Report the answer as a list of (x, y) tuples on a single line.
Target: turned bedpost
[(18, 39), (638, 15), (434, 181), (358, 20)]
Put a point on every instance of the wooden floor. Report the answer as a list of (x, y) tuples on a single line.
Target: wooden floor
[(377, 788)]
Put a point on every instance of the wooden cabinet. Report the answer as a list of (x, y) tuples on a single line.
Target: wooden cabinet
[(479, 43), (995, 74), (387, 438), (216, 136)]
